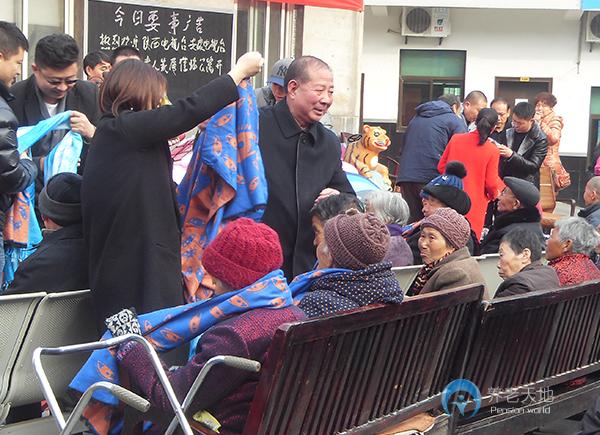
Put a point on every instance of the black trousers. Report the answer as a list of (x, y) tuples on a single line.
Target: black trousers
[(411, 192)]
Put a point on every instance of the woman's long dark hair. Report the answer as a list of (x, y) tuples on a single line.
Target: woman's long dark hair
[(486, 121)]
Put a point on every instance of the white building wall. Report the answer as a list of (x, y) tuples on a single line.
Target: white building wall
[(499, 43), (336, 36), (495, 4)]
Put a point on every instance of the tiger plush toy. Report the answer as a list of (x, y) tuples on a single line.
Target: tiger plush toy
[(363, 153)]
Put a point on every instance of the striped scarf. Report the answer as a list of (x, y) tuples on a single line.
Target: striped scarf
[(423, 276)]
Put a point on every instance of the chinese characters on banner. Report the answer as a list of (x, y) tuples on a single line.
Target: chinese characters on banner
[(189, 47)]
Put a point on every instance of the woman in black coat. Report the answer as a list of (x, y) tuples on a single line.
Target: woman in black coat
[(130, 214)]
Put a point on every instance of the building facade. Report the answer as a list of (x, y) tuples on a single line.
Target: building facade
[(513, 49), (276, 29)]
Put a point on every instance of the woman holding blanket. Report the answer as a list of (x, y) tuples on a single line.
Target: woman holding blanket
[(352, 271), (130, 216), (242, 259)]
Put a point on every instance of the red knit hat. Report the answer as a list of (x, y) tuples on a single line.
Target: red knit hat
[(242, 253)]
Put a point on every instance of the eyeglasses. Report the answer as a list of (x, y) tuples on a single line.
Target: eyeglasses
[(57, 82)]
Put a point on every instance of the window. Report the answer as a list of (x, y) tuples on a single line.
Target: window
[(45, 17), (425, 75), (36, 18), (11, 11), (594, 140), (270, 28)]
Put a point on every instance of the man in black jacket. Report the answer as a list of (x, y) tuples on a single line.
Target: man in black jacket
[(516, 209), (61, 261), (54, 88), (520, 264), (301, 159), (15, 173), (526, 146)]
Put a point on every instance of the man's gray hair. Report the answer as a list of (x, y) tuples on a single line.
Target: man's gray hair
[(450, 99), (389, 207), (594, 184), (582, 235)]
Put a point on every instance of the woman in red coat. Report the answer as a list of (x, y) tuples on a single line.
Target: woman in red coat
[(480, 157)]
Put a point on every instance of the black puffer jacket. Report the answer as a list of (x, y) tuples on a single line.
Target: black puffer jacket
[(15, 174)]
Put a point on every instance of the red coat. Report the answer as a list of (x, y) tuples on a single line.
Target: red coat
[(482, 183)]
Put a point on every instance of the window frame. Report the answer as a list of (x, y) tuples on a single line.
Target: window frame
[(400, 128), (290, 31)]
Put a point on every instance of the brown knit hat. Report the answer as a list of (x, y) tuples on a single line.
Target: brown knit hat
[(356, 240), (454, 227)]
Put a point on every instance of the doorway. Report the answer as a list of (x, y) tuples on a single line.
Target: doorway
[(517, 89)]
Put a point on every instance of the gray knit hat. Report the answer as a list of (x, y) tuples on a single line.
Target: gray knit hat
[(60, 199), (356, 240), (454, 227)]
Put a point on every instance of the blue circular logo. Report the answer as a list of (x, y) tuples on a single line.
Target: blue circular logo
[(459, 388)]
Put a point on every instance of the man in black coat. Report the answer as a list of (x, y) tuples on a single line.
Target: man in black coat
[(15, 173), (526, 146), (301, 158), (54, 88), (516, 208), (520, 264), (61, 261)]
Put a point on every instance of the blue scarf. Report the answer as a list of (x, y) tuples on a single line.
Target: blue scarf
[(171, 327), (302, 283), (225, 180), (22, 232)]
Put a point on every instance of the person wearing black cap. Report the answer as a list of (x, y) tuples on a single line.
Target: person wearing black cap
[(443, 191), (516, 208), (61, 262)]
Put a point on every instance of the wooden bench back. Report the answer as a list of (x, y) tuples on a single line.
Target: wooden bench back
[(365, 369), (547, 194), (537, 338)]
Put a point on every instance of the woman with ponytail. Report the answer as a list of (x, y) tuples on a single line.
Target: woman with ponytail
[(480, 157)]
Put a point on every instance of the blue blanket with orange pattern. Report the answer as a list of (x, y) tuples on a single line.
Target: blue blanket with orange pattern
[(225, 180)]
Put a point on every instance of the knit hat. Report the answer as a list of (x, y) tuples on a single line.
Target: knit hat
[(448, 188), (356, 240), (524, 191), (60, 199), (242, 253), (451, 225), (279, 71)]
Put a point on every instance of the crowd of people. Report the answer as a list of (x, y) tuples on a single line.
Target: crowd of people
[(468, 184)]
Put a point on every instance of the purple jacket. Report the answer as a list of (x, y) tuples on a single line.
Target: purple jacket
[(226, 393), (399, 252)]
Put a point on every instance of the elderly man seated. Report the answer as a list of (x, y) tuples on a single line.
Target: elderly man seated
[(568, 251), (520, 266), (591, 197), (61, 261), (517, 209)]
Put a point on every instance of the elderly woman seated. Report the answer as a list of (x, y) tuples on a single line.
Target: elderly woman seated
[(329, 207), (447, 263), (568, 251), (520, 264), (443, 191), (351, 272), (393, 211)]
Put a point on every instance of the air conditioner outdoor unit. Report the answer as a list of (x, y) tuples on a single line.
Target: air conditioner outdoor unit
[(593, 27), (429, 22)]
